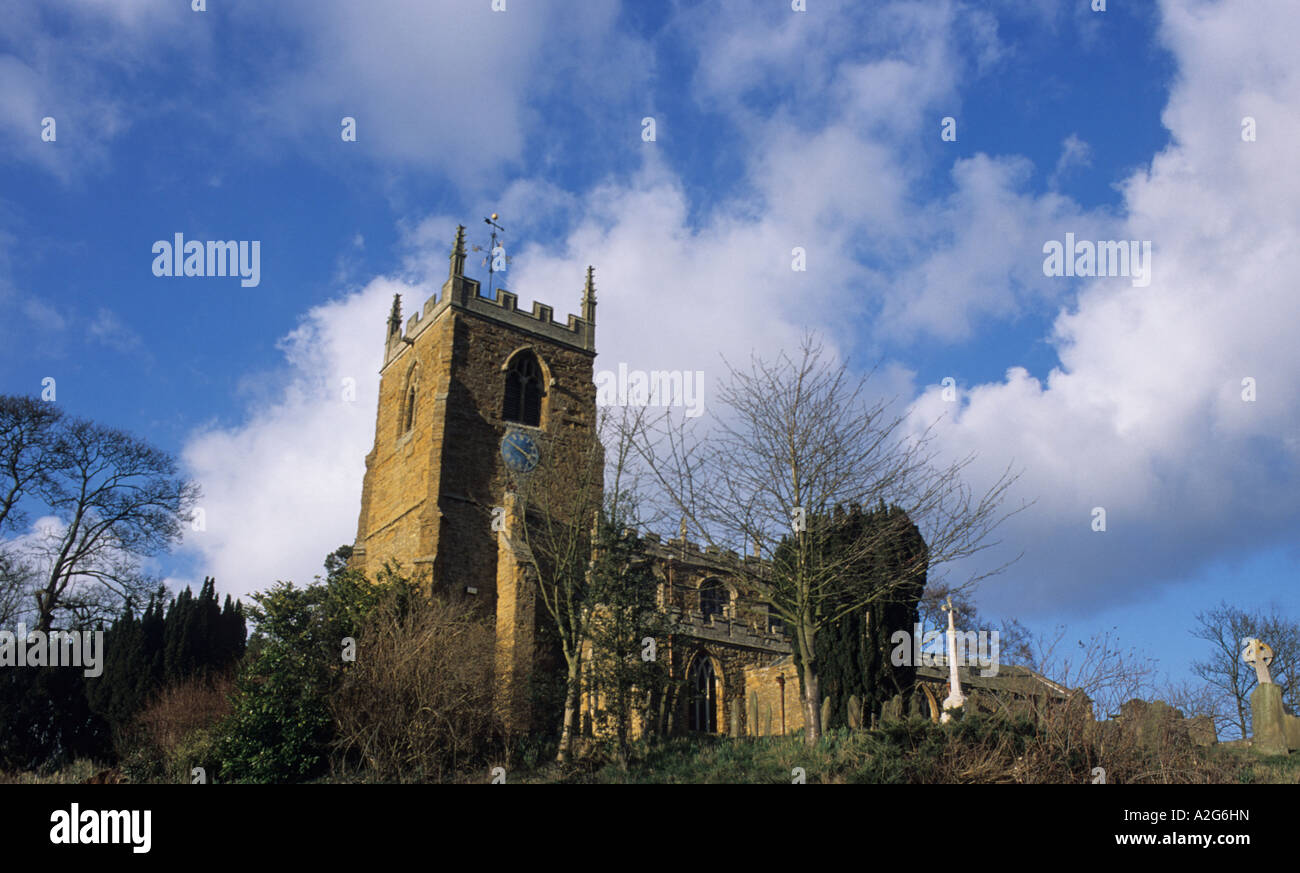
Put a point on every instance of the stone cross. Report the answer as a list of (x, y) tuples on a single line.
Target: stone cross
[(955, 699), (1259, 654)]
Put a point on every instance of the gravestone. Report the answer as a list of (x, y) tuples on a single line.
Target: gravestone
[(891, 710), (1268, 720), (1201, 730)]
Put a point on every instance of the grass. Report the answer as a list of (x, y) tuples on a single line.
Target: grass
[(971, 750)]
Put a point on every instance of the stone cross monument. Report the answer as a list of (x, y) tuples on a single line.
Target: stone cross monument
[(1259, 654)]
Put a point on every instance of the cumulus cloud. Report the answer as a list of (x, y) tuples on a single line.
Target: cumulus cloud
[(449, 86), (1145, 415), (435, 85)]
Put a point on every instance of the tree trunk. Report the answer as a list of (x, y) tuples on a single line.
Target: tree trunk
[(812, 710), (570, 712)]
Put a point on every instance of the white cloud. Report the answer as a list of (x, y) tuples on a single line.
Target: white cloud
[(1074, 153), (443, 85), (1145, 416), (282, 489), (108, 329)]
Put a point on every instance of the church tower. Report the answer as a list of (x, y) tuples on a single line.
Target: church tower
[(439, 490)]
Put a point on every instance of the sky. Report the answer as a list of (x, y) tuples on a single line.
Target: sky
[(1172, 124)]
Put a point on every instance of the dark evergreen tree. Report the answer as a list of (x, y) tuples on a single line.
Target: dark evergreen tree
[(121, 689), (50, 716), (232, 633), (176, 637), (853, 653), (152, 634), (46, 721)]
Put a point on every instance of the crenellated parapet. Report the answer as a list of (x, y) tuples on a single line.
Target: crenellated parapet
[(734, 632), (725, 561)]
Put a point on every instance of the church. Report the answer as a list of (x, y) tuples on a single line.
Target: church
[(468, 387), (470, 390)]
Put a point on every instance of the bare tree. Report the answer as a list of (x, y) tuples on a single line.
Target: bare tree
[(562, 502), (28, 432), (1193, 699), (16, 580), (1097, 670), (417, 703), (795, 439), (114, 499), (1225, 628)]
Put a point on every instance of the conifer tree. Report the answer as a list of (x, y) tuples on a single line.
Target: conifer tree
[(853, 651)]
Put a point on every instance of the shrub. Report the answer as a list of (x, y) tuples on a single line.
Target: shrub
[(175, 730), (417, 704)]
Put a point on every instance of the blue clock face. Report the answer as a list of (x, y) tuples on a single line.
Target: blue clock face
[(519, 451)]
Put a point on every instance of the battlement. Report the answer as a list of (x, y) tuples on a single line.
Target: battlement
[(577, 332), (725, 560), (733, 631)]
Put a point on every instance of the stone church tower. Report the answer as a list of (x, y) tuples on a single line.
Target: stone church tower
[(466, 372)]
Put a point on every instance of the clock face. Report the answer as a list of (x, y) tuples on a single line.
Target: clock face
[(519, 451)]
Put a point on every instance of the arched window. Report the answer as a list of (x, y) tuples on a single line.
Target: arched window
[(410, 399), (713, 598), (703, 696), (524, 390)]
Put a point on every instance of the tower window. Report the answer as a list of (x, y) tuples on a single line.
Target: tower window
[(524, 392)]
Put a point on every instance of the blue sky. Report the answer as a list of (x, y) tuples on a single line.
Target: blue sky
[(774, 129)]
